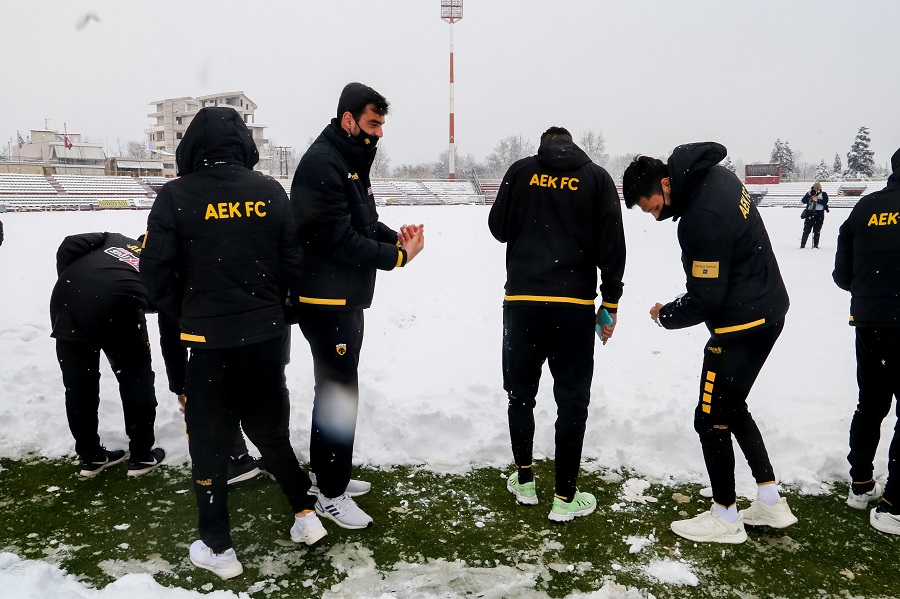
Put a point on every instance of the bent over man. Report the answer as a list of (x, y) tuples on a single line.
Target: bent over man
[(867, 264), (220, 254), (560, 217), (735, 287), (98, 304), (344, 245)]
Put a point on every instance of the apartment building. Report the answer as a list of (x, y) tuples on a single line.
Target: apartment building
[(173, 115)]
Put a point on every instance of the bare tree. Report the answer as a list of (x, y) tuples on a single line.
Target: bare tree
[(594, 145), (381, 166), (507, 151)]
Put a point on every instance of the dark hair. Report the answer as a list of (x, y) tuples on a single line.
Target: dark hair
[(556, 133), (642, 179), (356, 96)]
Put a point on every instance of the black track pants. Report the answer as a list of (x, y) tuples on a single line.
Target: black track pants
[(730, 367), (564, 337), (225, 388), (877, 363), (813, 223), (127, 348), (335, 340)]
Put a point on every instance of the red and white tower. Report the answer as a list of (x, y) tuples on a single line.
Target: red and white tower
[(452, 11)]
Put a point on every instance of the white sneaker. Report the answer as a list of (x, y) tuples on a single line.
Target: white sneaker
[(307, 529), (776, 516), (343, 511), (355, 488), (885, 522), (709, 528), (862, 501), (225, 565)]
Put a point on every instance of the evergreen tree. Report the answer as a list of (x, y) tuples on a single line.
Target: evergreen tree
[(838, 167), (821, 171), (860, 159), (783, 155)]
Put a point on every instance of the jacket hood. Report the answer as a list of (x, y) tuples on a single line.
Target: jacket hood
[(687, 165), (561, 154), (895, 167), (216, 135)]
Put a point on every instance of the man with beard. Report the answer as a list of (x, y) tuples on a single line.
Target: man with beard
[(735, 287), (344, 245)]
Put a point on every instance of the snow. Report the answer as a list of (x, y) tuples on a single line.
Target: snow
[(431, 384)]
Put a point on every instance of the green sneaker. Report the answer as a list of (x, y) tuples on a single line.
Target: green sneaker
[(581, 505), (525, 493)]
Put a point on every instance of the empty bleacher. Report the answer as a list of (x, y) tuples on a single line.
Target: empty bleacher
[(841, 194), (72, 192), (426, 192)]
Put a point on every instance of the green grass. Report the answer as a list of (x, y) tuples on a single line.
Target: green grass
[(464, 533)]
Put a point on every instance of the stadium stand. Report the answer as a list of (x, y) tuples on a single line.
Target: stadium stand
[(841, 194)]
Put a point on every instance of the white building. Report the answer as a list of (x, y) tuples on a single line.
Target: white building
[(173, 115)]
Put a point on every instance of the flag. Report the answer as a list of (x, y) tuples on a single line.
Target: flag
[(66, 142), (21, 141)]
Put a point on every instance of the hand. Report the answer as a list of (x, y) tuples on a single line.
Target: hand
[(606, 331), (654, 313), (182, 401), (412, 240)]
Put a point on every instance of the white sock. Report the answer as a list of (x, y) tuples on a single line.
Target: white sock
[(768, 493), (729, 514)]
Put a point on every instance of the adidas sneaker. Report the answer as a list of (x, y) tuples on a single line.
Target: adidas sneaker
[(225, 565)]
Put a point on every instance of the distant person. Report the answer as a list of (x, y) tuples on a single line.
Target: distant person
[(560, 217), (220, 254), (867, 264), (735, 287), (241, 465), (816, 202), (98, 304), (344, 244), (1, 232)]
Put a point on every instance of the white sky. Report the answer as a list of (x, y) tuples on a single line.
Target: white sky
[(649, 74)]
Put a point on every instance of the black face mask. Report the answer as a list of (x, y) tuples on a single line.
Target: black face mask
[(666, 212), (367, 141)]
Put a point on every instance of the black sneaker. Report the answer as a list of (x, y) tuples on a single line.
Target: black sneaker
[(144, 464), (94, 467), (242, 468)]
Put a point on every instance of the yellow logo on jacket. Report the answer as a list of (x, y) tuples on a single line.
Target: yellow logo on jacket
[(234, 210), (883, 218), (705, 270), (545, 180), (341, 349)]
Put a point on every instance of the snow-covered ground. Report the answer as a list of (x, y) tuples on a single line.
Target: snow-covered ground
[(431, 387)]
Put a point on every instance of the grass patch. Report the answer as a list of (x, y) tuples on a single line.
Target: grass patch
[(433, 534)]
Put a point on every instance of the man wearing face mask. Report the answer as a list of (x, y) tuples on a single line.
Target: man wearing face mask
[(735, 288), (344, 245)]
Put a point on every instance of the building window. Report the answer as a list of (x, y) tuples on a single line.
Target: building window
[(168, 165), (160, 136), (177, 120), (179, 135)]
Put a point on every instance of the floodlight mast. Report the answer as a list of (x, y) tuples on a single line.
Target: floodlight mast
[(452, 11)]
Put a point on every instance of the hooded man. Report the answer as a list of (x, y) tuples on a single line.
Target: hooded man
[(735, 288), (220, 254), (560, 217), (867, 264), (344, 246)]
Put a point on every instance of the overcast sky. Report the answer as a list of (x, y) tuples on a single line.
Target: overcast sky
[(648, 75)]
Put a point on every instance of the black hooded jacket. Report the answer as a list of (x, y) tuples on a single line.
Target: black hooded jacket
[(343, 241), (221, 249), (99, 275), (560, 216), (867, 262), (733, 281)]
